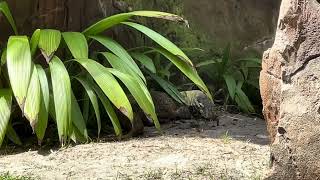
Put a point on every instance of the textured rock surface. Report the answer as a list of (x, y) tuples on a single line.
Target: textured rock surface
[(290, 82)]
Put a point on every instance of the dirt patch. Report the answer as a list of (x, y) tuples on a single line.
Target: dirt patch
[(189, 149)]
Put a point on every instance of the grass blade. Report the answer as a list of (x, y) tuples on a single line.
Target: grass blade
[(77, 44), (109, 85), (19, 67), (4, 8), (5, 111)]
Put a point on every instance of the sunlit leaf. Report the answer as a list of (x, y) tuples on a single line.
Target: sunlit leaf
[(118, 50), (108, 22), (109, 85), (49, 42), (33, 100), (19, 67), (34, 41), (140, 93), (162, 41), (77, 44), (62, 98), (107, 106), (186, 69), (145, 60), (119, 64), (42, 123), (5, 111)]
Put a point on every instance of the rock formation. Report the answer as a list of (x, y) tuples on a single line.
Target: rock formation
[(290, 82)]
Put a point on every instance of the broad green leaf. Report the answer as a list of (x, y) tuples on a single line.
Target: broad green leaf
[(208, 62), (3, 57), (169, 88), (140, 93), (62, 98), (162, 41), (94, 100), (42, 123), (109, 85), (77, 137), (108, 22), (118, 63), (243, 101), (12, 135), (33, 100), (86, 107), (109, 109), (185, 68), (4, 8), (52, 111), (77, 118), (118, 50), (5, 111), (145, 60), (19, 67), (77, 44), (231, 85), (245, 72), (34, 41), (49, 42)]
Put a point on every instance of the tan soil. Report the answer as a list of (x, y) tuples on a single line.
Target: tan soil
[(189, 149)]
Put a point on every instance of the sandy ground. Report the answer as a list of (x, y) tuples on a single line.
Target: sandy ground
[(189, 149)]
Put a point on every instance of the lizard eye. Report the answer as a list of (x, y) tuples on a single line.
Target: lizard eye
[(201, 105)]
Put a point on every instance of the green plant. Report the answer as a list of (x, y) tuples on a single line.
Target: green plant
[(233, 76), (43, 85), (8, 176)]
